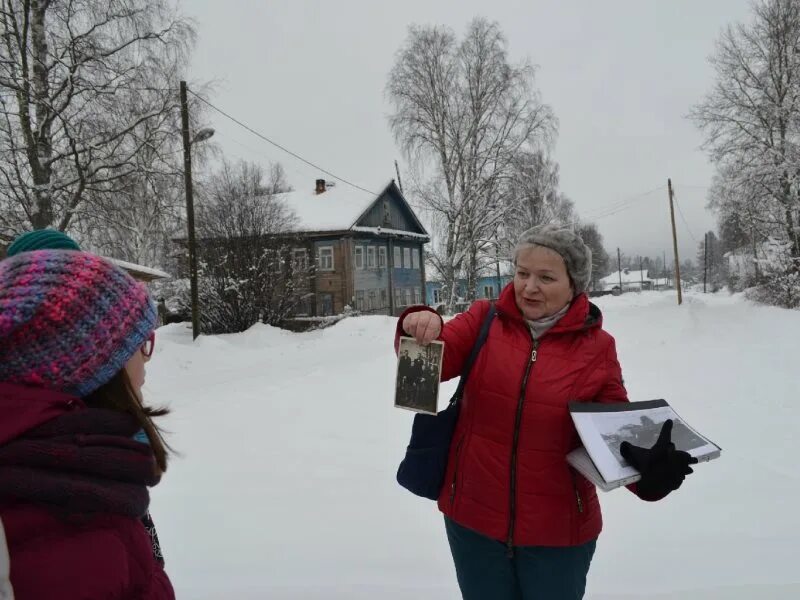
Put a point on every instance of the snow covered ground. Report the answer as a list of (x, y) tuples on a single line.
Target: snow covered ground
[(289, 444)]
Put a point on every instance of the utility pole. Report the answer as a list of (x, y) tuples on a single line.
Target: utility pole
[(187, 177), (619, 267), (675, 244), (641, 273), (664, 269), (705, 261), (399, 182)]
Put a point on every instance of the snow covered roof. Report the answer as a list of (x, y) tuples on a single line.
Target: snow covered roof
[(628, 276), (336, 209), (143, 272)]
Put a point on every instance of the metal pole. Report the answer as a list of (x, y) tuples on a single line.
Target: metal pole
[(399, 181), (641, 274), (187, 176), (705, 262), (675, 244), (619, 266)]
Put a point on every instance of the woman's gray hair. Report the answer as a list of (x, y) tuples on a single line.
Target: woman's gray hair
[(567, 244)]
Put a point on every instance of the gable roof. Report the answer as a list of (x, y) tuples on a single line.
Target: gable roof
[(339, 208)]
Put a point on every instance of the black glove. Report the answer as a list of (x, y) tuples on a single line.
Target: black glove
[(663, 468)]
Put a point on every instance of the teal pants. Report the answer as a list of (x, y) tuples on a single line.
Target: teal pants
[(486, 572)]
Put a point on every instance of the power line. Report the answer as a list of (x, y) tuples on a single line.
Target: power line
[(277, 145), (619, 206), (683, 218)]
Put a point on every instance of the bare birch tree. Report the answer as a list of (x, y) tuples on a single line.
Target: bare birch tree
[(87, 103), (751, 121), (462, 113)]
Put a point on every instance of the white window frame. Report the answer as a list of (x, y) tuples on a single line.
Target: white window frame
[(488, 292), (372, 299), (382, 257), (409, 298), (320, 257), (417, 295), (399, 297), (358, 253), (384, 299), (371, 264), (302, 263), (437, 295), (359, 300), (407, 258), (398, 257), (415, 255)]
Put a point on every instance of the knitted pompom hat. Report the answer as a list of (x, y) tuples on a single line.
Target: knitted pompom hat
[(42, 239), (69, 320)]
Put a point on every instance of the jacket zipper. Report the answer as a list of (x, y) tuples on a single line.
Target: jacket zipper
[(455, 472), (578, 499), (517, 423)]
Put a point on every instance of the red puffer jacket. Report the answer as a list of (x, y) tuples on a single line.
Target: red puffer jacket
[(49, 553), (507, 476)]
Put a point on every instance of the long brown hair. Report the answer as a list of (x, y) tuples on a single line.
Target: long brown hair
[(118, 394)]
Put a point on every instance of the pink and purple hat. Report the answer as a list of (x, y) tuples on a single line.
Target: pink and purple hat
[(69, 320)]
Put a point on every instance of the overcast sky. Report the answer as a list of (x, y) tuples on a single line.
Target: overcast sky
[(620, 74)]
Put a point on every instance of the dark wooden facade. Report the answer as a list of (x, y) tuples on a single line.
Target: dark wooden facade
[(376, 266)]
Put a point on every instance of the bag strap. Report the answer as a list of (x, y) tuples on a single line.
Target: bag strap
[(473, 355)]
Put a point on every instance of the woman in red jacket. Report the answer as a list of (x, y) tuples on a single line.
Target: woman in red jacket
[(78, 448), (521, 523)]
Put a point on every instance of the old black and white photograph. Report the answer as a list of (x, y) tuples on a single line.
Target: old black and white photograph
[(643, 431), (419, 369)]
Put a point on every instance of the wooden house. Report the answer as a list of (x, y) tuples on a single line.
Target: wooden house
[(368, 249)]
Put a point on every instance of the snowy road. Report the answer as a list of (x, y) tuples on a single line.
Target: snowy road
[(289, 443)]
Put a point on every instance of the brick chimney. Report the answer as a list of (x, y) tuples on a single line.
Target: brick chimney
[(320, 186)]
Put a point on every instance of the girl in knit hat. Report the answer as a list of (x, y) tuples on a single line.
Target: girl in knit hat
[(78, 447)]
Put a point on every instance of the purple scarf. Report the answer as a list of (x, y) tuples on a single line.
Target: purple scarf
[(83, 462)]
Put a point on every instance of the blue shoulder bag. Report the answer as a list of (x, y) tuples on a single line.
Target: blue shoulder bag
[(423, 468)]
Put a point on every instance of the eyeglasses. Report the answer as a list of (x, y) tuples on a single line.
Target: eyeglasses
[(149, 345)]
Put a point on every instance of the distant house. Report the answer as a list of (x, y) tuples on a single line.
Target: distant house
[(488, 287), (368, 249), (631, 281)]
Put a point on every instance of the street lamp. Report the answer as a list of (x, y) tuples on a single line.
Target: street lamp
[(200, 136)]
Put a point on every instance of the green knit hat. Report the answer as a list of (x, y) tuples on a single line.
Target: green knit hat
[(42, 239)]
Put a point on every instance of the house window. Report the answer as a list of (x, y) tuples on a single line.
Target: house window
[(387, 216), (398, 258), (382, 257), (372, 301), (416, 258), (409, 300), (359, 299), (371, 257), (437, 296), (407, 258), (398, 297), (417, 295), (325, 258), (299, 259), (359, 257), (488, 291), (384, 297)]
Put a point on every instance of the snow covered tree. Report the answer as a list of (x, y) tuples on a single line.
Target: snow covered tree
[(751, 122), (248, 271), (601, 262), (463, 112), (712, 261), (88, 107)]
